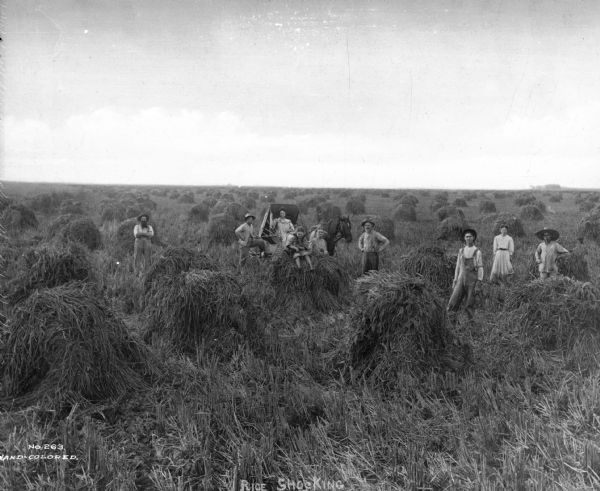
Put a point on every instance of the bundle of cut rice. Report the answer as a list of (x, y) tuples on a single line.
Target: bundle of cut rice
[(431, 263), (515, 226), (355, 206), (323, 289), (531, 212), (406, 213), (449, 211), (525, 199), (71, 206), (552, 313), (438, 203), (487, 206), (84, 231), (58, 224), (200, 308), (589, 227), (172, 261), (198, 213), (65, 345), (574, 265), (187, 198), (17, 218), (399, 325), (112, 211), (451, 228), (221, 229), (48, 266), (236, 211), (408, 199)]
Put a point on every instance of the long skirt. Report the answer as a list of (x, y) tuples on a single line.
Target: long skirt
[(502, 267)]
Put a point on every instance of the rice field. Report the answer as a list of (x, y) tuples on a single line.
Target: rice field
[(196, 375)]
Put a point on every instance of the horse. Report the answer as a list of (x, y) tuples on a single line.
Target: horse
[(337, 228)]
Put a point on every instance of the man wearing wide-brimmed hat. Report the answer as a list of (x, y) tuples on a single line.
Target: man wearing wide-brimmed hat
[(371, 243), (142, 246), (247, 239), (547, 252), (468, 272)]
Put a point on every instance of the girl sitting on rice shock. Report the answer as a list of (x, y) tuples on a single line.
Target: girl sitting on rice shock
[(298, 247)]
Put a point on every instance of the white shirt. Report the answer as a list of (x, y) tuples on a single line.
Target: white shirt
[(468, 252), (504, 242), (546, 255), (244, 233), (372, 242), (138, 229)]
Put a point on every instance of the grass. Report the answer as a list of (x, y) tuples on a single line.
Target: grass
[(521, 415)]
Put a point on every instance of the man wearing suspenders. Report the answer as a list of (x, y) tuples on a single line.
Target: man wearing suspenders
[(468, 272)]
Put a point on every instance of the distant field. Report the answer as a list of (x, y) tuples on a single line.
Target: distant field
[(217, 378)]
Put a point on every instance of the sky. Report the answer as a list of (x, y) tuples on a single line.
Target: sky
[(328, 93)]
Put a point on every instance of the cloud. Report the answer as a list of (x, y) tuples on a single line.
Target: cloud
[(190, 147)]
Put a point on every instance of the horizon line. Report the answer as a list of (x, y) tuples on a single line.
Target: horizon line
[(539, 187)]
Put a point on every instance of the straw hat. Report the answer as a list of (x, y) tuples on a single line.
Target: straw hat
[(469, 231), (553, 233), (367, 220)]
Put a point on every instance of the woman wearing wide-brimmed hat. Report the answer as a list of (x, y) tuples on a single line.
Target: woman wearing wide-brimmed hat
[(547, 252), (142, 247), (504, 248), (468, 272), (371, 243)]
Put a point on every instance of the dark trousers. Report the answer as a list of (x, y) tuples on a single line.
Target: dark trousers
[(464, 290), (370, 262), (245, 250), (142, 249)]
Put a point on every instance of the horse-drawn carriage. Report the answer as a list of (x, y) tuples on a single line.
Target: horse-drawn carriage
[(267, 225), (337, 227)]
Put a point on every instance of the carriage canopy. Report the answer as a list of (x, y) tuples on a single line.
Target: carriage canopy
[(292, 212)]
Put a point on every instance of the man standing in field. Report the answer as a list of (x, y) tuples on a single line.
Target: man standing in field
[(247, 239), (142, 246), (371, 243), (467, 274), (547, 253)]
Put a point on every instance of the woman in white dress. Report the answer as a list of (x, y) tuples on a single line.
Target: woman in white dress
[(283, 227), (504, 248)]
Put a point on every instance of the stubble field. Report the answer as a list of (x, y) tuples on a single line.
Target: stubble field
[(197, 376)]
